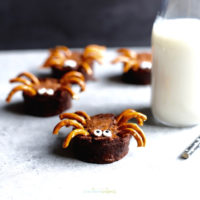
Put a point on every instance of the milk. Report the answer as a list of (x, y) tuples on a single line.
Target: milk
[(176, 71)]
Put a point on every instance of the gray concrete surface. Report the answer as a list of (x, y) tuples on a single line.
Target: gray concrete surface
[(34, 166)]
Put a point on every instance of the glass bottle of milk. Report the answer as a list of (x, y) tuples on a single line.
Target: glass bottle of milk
[(176, 63)]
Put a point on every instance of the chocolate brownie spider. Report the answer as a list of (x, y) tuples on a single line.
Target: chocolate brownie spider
[(137, 66), (47, 96), (102, 138), (62, 60)]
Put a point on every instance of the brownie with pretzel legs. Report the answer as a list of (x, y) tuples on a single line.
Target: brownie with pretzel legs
[(62, 60), (136, 66), (47, 96), (102, 138)]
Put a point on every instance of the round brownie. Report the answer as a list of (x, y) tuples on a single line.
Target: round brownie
[(140, 76), (47, 105)]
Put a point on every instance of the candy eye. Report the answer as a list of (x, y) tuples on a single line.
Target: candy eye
[(50, 91), (42, 91), (98, 132), (146, 65), (107, 133), (70, 63)]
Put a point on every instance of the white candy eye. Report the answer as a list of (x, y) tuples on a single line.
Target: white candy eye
[(47, 91), (98, 132), (42, 91), (107, 133), (50, 91), (70, 63), (146, 65)]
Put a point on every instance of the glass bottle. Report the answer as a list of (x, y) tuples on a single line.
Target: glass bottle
[(176, 63)]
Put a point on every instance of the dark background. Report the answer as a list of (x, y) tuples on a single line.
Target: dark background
[(28, 24)]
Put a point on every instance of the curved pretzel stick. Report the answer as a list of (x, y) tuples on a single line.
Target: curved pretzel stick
[(72, 74), (123, 113), (135, 134), (32, 77), (54, 61), (72, 135), (77, 81), (67, 123), (87, 68), (21, 80), (135, 127), (83, 114), (95, 46), (127, 66), (64, 49), (139, 116), (71, 92), (120, 59), (134, 64), (93, 57), (29, 90), (74, 117), (127, 52), (55, 53), (130, 113), (94, 52), (57, 57)]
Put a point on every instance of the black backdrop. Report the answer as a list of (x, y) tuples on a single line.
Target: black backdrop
[(27, 24)]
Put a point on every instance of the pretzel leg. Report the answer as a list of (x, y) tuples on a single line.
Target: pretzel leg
[(72, 135), (29, 90), (127, 66), (63, 49), (21, 80), (94, 46), (94, 56), (135, 135), (73, 116), (128, 114), (139, 116), (87, 68), (127, 52), (94, 52), (77, 81), (71, 92), (124, 113), (83, 114), (54, 61), (32, 77), (67, 123), (72, 74), (135, 127), (120, 59)]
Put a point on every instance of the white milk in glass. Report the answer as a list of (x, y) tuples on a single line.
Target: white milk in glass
[(176, 71)]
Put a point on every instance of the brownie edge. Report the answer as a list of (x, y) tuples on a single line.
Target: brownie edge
[(105, 150), (45, 105), (140, 77)]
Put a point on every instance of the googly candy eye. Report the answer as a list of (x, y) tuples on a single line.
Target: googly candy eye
[(98, 132), (42, 91), (107, 133), (50, 91), (70, 63)]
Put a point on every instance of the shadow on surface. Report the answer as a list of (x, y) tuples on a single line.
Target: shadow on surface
[(116, 78), (150, 119), (42, 73), (57, 149), (16, 108)]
